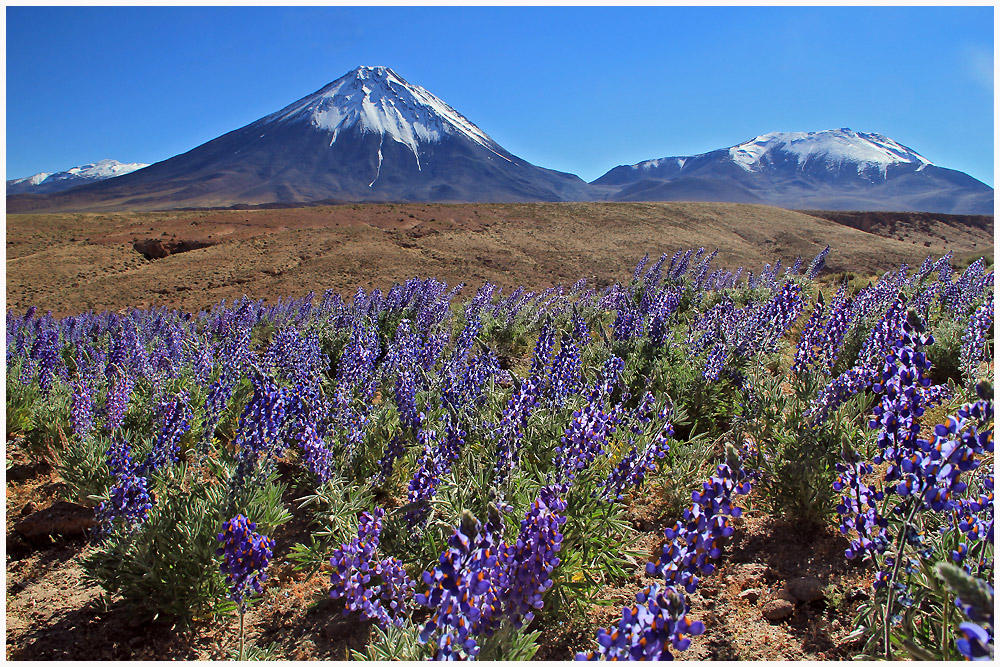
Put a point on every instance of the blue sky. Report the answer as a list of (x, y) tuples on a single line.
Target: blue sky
[(578, 89)]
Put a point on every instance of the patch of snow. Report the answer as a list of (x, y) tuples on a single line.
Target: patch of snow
[(33, 180), (378, 100), (867, 151), (648, 164), (95, 171), (378, 169), (102, 169)]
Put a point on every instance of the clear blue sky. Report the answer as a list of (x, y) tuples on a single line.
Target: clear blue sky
[(571, 88)]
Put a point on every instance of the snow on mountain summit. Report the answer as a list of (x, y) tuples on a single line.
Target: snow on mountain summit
[(86, 173), (376, 99), (869, 151), (104, 169)]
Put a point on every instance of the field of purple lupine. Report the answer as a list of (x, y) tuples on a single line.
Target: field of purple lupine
[(466, 456)]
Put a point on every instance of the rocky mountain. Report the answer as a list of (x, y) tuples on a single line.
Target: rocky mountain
[(368, 136), (43, 182), (834, 170)]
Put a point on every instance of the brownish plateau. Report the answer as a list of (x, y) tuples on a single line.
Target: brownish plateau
[(73, 262)]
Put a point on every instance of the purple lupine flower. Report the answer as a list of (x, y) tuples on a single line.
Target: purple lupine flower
[(175, 421), (393, 450), (682, 266), (974, 515), (476, 374), (219, 393), (592, 425), (46, 353), (246, 555), (639, 267), (355, 372), (661, 311), (588, 433), (648, 628), (632, 469), (460, 590), (406, 398), (467, 337), (966, 290), (510, 430), (258, 437), (430, 350), (354, 565), (628, 322), (653, 275), (436, 461), (837, 325), (785, 309), (565, 377), (931, 472), (527, 564), (120, 386), (870, 365), (296, 356), (82, 409), (306, 426), (128, 500), (691, 543), (976, 643), (715, 361), (974, 339), (817, 264), (316, 456), (860, 508), (901, 406), (806, 354)]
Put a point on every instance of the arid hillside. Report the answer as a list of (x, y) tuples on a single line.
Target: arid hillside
[(72, 262)]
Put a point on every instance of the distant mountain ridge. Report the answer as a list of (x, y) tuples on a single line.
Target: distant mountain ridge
[(371, 136), (44, 182), (833, 169)]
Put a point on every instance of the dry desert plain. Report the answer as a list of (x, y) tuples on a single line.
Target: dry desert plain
[(73, 262)]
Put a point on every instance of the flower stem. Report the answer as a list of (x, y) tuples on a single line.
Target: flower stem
[(892, 580), (946, 607), (241, 656)]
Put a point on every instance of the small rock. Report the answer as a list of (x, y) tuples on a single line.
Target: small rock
[(857, 594), (749, 573), (750, 595), (66, 519), (785, 594), (28, 508), (805, 589), (777, 610)]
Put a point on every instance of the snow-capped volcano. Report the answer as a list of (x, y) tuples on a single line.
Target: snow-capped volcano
[(87, 173), (377, 100), (368, 136), (832, 169), (868, 153)]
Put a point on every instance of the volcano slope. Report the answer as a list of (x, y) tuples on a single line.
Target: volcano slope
[(73, 262)]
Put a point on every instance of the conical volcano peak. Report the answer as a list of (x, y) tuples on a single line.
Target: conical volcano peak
[(376, 99), (375, 72)]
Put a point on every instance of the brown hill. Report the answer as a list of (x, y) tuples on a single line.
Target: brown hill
[(69, 263)]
